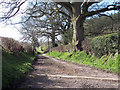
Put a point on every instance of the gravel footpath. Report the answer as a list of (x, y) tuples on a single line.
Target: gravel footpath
[(53, 73)]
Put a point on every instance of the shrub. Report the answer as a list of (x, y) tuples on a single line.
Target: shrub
[(11, 45), (63, 48), (86, 45), (104, 45), (27, 48)]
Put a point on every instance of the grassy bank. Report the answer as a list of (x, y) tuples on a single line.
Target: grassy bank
[(110, 63), (14, 67)]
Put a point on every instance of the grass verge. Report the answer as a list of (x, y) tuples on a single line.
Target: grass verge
[(14, 67), (110, 62)]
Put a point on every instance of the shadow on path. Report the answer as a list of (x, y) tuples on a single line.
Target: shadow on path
[(35, 80)]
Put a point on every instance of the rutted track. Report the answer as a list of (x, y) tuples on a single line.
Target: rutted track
[(52, 73)]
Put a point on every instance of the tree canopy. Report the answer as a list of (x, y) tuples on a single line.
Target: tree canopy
[(76, 12)]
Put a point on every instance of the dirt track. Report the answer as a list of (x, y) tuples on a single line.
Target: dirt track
[(51, 73)]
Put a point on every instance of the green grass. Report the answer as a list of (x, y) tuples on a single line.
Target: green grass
[(110, 63), (39, 50), (14, 67)]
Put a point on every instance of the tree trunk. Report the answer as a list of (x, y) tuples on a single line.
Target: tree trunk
[(33, 45), (53, 38), (53, 41), (34, 50), (78, 34), (78, 29)]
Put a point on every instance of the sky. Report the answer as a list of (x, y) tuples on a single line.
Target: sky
[(11, 31)]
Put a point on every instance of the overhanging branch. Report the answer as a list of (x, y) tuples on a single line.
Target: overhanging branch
[(100, 11), (66, 5), (63, 13)]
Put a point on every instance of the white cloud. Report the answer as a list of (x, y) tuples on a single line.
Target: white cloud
[(9, 31)]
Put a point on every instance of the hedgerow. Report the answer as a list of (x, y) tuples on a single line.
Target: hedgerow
[(11, 45), (104, 45)]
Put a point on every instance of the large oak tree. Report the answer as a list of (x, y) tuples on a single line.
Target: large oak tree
[(50, 23), (79, 11)]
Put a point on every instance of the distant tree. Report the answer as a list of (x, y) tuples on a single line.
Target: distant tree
[(67, 36), (101, 25), (56, 25), (30, 33), (51, 24)]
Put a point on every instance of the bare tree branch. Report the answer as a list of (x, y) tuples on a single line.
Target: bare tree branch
[(13, 9), (67, 5), (101, 10)]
